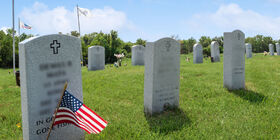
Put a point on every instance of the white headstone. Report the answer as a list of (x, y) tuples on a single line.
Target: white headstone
[(162, 75), (46, 63), (234, 60), (197, 54), (137, 57), (271, 49), (96, 58), (278, 48), (215, 51), (248, 50)]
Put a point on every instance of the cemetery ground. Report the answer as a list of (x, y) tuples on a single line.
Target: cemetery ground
[(207, 110)]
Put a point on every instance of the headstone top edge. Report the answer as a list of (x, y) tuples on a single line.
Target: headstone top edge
[(214, 43), (97, 46), (44, 36), (137, 46), (238, 31), (167, 38), (235, 31), (271, 45), (197, 44)]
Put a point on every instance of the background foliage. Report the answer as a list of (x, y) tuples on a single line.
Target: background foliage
[(115, 45)]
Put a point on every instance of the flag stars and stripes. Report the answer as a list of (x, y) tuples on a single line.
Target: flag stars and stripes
[(72, 110)]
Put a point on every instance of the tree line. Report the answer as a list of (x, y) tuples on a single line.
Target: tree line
[(115, 45)]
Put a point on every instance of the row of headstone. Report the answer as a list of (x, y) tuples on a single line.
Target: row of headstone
[(47, 62), (198, 53), (162, 69), (96, 57), (271, 49)]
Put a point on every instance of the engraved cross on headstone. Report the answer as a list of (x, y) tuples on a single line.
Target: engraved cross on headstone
[(168, 45), (55, 45), (238, 36)]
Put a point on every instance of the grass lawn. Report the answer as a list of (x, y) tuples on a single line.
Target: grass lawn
[(207, 110)]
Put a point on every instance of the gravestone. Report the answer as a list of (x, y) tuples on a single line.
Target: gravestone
[(271, 49), (278, 48), (197, 54), (46, 63), (215, 51), (137, 56), (234, 60), (162, 75), (248, 50), (96, 58)]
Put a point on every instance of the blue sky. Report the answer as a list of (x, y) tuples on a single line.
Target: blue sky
[(148, 19)]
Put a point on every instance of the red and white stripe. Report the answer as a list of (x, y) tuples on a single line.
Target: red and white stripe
[(65, 115), (94, 121)]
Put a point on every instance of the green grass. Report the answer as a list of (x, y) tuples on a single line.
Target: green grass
[(207, 110)]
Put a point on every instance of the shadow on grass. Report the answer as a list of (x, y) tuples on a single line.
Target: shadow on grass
[(249, 95), (168, 121)]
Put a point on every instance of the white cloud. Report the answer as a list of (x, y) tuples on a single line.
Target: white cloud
[(47, 21), (4, 29), (230, 17)]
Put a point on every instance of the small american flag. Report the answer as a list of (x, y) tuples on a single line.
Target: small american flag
[(24, 26), (72, 110)]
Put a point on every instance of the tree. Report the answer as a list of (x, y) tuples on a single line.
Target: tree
[(6, 49), (187, 45), (205, 41), (260, 43), (140, 41), (75, 33)]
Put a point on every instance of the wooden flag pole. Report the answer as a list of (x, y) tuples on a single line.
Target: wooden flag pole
[(55, 112)]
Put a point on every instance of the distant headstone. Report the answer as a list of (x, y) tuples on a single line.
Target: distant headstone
[(46, 63), (137, 57), (197, 54), (234, 60), (96, 58), (162, 75), (271, 49), (215, 51), (278, 48), (248, 50)]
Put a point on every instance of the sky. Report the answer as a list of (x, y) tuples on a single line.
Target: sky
[(147, 19)]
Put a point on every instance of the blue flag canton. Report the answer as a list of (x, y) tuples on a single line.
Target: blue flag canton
[(70, 102)]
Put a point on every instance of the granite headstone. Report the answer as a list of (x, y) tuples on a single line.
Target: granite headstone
[(162, 75), (248, 50), (46, 63), (137, 56), (271, 49), (215, 51), (96, 58), (234, 60), (197, 54), (278, 48)]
